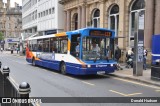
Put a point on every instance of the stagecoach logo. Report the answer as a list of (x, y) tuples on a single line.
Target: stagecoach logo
[(101, 65)]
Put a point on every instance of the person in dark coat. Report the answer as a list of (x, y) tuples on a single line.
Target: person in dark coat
[(118, 56)]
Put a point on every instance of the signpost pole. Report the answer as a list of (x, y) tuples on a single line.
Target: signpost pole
[(138, 48)]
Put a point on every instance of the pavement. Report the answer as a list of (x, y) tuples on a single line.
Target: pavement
[(126, 73)]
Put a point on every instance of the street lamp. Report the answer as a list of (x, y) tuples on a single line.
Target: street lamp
[(20, 47)]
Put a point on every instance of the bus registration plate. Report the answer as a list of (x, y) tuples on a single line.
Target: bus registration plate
[(101, 72)]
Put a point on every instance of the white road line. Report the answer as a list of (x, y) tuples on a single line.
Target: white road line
[(54, 73), (69, 77), (88, 83)]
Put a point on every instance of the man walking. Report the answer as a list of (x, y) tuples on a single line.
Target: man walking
[(118, 56), (145, 52)]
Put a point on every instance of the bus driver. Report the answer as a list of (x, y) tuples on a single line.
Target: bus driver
[(95, 48)]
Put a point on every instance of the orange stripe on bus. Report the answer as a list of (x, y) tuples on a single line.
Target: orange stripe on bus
[(81, 61), (69, 45), (60, 34)]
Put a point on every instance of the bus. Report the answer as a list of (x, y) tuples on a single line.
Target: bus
[(58, 51), (155, 49)]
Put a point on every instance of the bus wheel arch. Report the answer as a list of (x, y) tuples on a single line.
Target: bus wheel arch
[(62, 67)]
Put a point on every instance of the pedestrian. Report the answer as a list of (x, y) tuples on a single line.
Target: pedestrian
[(129, 53), (1, 49), (17, 50), (117, 57), (145, 52)]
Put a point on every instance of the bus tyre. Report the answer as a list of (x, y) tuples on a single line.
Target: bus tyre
[(63, 68), (33, 62)]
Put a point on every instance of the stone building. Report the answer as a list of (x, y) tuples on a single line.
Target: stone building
[(118, 15), (10, 23)]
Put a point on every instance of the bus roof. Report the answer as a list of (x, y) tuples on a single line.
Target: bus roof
[(85, 31), (41, 37)]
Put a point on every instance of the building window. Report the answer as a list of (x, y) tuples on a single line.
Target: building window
[(75, 21), (46, 12), (53, 10), (43, 13), (136, 7), (50, 11), (36, 14), (114, 19), (96, 18)]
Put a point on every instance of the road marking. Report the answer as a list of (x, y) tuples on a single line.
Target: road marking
[(88, 83), (124, 94), (157, 90), (69, 77), (133, 82), (137, 83), (133, 94), (118, 92), (54, 73), (38, 104)]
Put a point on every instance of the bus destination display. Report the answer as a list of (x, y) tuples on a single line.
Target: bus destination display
[(100, 33)]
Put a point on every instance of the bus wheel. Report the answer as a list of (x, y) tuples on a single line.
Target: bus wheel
[(63, 68), (33, 62)]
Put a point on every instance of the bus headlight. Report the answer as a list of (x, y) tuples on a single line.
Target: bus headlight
[(89, 66), (111, 65)]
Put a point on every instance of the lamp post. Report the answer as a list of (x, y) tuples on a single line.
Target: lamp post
[(20, 47)]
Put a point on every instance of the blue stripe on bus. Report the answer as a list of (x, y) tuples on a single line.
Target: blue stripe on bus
[(72, 68)]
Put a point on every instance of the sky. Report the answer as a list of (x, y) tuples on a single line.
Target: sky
[(12, 2)]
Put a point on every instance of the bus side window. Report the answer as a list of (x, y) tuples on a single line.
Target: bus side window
[(53, 45), (62, 45)]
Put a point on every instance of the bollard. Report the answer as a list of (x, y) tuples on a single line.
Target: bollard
[(0, 64), (24, 90), (5, 72)]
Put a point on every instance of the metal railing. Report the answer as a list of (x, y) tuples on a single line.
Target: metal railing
[(10, 92)]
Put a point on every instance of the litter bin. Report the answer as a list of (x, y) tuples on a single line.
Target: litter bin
[(155, 71)]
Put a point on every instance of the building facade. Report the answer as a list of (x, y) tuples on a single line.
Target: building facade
[(118, 15), (10, 23), (42, 17)]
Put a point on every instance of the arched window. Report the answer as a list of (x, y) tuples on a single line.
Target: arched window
[(96, 18), (76, 22), (114, 18), (138, 6)]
